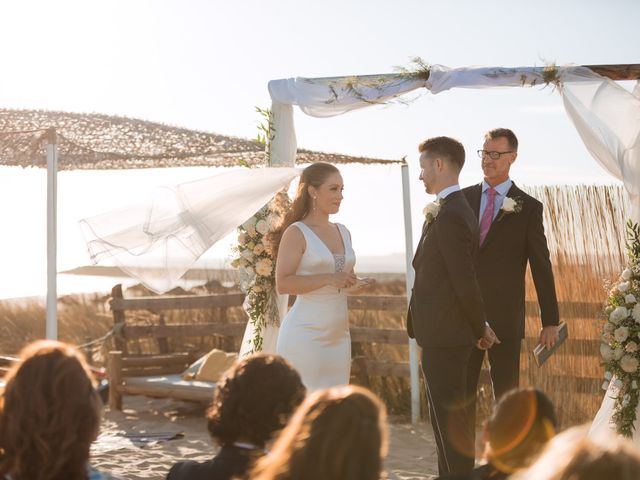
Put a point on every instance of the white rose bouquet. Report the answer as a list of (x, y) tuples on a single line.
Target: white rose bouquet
[(256, 265), (620, 348)]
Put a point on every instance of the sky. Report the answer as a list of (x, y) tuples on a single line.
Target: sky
[(205, 65)]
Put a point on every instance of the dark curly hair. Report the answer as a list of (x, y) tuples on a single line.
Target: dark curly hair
[(49, 414), (254, 400)]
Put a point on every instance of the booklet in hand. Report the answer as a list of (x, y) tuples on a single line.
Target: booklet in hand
[(541, 353)]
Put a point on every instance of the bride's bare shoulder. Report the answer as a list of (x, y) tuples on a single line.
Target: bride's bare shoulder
[(293, 230), (293, 236)]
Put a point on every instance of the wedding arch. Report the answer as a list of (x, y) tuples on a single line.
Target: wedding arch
[(606, 116)]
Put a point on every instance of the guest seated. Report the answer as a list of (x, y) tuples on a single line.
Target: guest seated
[(522, 423), (572, 455), (338, 433), (252, 402), (49, 415)]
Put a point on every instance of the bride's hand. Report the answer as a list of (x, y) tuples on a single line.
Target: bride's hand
[(342, 280), (362, 284)]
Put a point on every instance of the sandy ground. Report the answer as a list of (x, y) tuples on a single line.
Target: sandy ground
[(412, 454)]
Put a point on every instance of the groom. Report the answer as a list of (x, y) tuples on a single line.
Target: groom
[(446, 312)]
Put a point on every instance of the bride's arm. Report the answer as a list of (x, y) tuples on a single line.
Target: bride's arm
[(290, 251)]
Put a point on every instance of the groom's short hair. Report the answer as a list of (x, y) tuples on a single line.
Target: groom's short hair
[(447, 148)]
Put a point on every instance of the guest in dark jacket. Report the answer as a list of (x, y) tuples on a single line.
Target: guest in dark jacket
[(253, 401), (522, 423)]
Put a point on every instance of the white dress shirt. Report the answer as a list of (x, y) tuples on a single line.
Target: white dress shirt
[(445, 192)]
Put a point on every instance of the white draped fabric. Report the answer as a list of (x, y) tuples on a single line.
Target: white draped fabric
[(269, 332), (158, 242), (606, 115), (331, 96), (607, 118)]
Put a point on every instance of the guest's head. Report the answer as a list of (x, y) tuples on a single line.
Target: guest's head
[(572, 455), (338, 433), (254, 399), (441, 160), (522, 423), (499, 151), (319, 192), (49, 414)]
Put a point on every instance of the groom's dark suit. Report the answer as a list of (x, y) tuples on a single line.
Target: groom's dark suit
[(446, 317), (513, 240)]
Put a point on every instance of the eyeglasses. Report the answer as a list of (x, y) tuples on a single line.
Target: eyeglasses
[(491, 155)]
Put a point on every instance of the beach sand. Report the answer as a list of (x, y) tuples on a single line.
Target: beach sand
[(412, 453)]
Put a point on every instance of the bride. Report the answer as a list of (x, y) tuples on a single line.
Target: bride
[(315, 261)]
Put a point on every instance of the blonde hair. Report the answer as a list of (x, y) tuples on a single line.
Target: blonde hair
[(572, 455), (338, 433), (522, 423)]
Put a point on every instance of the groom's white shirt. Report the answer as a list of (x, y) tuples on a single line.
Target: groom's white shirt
[(445, 192)]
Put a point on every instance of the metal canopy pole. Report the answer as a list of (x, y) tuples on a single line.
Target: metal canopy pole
[(52, 208), (414, 361)]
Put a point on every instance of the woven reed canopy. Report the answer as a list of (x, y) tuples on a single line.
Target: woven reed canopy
[(103, 142)]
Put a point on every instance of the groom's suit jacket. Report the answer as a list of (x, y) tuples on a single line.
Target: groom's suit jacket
[(446, 307), (512, 241)]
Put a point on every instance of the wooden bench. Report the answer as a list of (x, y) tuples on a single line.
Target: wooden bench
[(154, 376)]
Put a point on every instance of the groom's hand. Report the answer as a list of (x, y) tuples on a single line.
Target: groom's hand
[(488, 339)]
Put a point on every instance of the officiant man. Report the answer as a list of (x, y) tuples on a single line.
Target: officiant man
[(511, 235), (446, 313)]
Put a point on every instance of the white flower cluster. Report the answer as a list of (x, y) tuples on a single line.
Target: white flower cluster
[(256, 264), (255, 253), (431, 211), (620, 347), (510, 205)]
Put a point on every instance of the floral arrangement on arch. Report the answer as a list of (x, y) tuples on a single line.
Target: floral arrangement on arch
[(620, 348), (254, 259)]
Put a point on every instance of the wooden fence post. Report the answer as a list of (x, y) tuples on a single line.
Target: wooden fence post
[(115, 380), (118, 321)]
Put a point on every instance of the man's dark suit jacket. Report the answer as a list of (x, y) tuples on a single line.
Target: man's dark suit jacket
[(511, 241), (231, 462), (446, 307)]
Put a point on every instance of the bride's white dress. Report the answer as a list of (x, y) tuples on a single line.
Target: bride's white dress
[(603, 421), (314, 335)]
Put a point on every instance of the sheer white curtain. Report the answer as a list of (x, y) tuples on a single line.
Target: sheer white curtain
[(158, 242), (607, 117), (331, 96)]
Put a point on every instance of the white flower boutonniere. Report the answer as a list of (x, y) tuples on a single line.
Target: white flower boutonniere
[(431, 211), (510, 205)]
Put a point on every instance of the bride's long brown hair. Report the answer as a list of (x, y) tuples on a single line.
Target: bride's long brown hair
[(312, 176)]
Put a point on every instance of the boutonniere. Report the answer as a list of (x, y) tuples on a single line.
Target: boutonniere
[(510, 205), (431, 210)]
